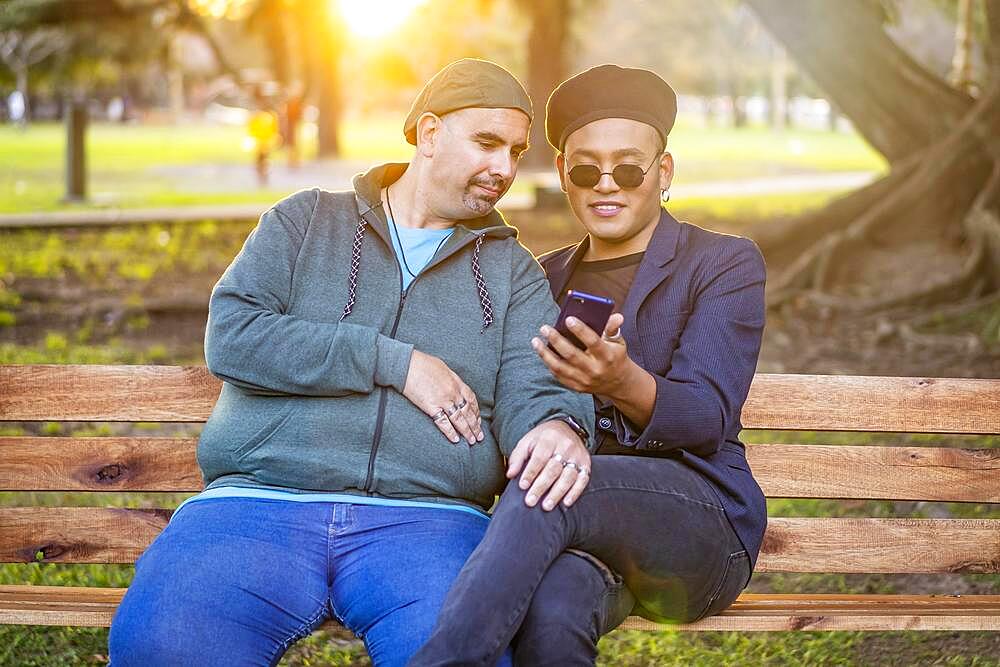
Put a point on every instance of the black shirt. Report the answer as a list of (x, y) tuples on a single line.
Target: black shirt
[(610, 278)]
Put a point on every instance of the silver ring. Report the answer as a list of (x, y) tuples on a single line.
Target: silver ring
[(462, 404), (437, 416), (452, 410), (573, 465), (617, 338), (582, 470), (559, 459)]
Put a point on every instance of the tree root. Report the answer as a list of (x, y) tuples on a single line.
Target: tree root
[(922, 318), (952, 286), (959, 171), (969, 342)]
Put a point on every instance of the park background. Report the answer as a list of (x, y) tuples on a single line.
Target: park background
[(855, 140)]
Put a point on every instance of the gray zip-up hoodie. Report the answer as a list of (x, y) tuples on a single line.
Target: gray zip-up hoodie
[(312, 335)]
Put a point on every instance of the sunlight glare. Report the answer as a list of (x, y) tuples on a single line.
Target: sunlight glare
[(375, 18)]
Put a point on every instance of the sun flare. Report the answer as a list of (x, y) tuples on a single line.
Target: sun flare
[(375, 18)]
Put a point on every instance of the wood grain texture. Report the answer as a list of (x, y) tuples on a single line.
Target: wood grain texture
[(863, 403), (77, 534), (30, 463), (776, 401), (104, 535), (107, 393), (890, 473), (60, 605), (880, 545)]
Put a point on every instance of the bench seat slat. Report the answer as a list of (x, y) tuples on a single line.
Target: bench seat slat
[(941, 474), (776, 401), (30, 463), (102, 535), (55, 605)]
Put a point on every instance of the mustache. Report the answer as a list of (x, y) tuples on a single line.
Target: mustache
[(498, 184)]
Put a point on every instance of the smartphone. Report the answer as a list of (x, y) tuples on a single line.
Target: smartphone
[(590, 309)]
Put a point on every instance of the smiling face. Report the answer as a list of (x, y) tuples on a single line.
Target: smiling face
[(619, 220), (473, 158)]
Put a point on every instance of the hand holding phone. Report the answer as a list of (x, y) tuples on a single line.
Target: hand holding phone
[(590, 309)]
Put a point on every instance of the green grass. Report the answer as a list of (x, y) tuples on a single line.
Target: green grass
[(105, 255), (739, 209), (57, 349), (122, 159), (714, 153)]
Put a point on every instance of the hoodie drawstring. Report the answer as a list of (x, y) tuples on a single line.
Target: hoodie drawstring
[(484, 294), (352, 280)]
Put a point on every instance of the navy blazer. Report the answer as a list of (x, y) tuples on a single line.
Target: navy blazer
[(694, 318)]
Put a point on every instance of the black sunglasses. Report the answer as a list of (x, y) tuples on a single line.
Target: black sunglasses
[(625, 175)]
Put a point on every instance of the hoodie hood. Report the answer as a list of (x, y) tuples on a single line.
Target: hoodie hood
[(368, 187)]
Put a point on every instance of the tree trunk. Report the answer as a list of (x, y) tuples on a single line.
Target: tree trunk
[(321, 28), (546, 69), (896, 104), (926, 232)]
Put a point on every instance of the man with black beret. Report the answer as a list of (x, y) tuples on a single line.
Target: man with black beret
[(672, 520)]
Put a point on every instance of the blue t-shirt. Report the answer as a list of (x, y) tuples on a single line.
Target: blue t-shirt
[(418, 247), (414, 249)]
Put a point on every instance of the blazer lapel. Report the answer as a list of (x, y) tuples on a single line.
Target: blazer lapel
[(656, 267), (559, 270)]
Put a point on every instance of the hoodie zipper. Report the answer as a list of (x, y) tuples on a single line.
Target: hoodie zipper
[(383, 398), (384, 391)]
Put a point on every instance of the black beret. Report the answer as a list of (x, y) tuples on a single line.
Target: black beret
[(609, 91)]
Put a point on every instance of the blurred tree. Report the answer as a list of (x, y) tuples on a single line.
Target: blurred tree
[(20, 50), (961, 64), (927, 232), (305, 41), (127, 33), (713, 49), (547, 38)]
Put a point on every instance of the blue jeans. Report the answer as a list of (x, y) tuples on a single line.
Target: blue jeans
[(654, 521), (236, 581)]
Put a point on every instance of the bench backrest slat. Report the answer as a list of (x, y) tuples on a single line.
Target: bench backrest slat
[(107, 393), (111, 535), (784, 402), (30, 463)]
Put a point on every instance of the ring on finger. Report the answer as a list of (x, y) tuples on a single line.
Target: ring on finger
[(582, 470), (571, 464), (559, 458), (453, 409), (439, 415), (461, 404)]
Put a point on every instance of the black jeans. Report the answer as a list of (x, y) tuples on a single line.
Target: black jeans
[(654, 521)]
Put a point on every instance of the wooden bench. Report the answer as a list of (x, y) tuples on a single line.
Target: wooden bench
[(784, 402)]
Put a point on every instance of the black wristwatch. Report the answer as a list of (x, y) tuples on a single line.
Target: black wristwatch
[(579, 430)]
